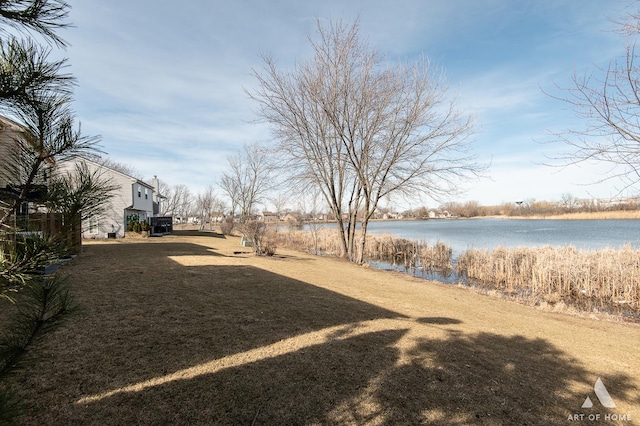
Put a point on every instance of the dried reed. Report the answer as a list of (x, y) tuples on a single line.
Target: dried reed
[(385, 248), (606, 278)]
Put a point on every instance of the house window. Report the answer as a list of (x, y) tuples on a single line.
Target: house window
[(146, 194), (139, 192), (93, 225)]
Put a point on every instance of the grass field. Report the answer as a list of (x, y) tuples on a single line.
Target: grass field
[(192, 329)]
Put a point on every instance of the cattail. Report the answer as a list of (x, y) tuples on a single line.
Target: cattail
[(603, 278)]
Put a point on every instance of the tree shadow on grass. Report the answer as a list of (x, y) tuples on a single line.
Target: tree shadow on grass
[(145, 316), (487, 378), (139, 329), (364, 379)]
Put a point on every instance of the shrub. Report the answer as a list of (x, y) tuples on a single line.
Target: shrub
[(269, 249), (256, 232), (133, 224), (227, 225)]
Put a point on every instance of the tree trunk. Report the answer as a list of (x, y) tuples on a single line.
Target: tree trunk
[(363, 242)]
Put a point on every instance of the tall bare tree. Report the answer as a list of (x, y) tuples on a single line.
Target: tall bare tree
[(247, 179), (360, 128), (127, 169), (607, 100), (280, 202)]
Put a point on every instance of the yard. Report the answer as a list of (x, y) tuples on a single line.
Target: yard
[(192, 329)]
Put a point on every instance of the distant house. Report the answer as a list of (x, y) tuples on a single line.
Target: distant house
[(217, 217), (269, 216), (390, 216), (133, 199)]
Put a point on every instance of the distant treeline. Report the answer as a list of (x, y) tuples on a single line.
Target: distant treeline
[(566, 205)]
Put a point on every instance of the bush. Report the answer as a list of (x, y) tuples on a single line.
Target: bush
[(227, 225), (269, 249), (256, 231)]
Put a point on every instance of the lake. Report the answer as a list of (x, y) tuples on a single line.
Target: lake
[(464, 234)]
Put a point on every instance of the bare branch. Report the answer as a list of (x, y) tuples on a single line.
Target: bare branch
[(359, 129)]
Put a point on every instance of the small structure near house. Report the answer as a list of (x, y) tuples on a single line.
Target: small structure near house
[(161, 225), (244, 242)]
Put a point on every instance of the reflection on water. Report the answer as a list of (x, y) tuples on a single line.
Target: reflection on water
[(446, 276)]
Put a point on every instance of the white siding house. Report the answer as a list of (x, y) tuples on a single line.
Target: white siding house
[(132, 198)]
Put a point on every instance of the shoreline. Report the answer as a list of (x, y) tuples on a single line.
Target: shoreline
[(603, 215)]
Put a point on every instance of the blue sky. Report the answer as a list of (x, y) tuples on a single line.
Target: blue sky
[(163, 82)]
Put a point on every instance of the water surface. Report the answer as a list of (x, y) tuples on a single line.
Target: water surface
[(464, 234)]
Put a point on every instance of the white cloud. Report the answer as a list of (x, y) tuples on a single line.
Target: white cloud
[(163, 82)]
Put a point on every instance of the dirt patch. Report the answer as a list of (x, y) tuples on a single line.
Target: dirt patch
[(184, 330)]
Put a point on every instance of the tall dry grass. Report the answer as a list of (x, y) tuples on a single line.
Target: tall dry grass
[(386, 248), (608, 278)]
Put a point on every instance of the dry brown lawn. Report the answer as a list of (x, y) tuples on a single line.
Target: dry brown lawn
[(188, 329)]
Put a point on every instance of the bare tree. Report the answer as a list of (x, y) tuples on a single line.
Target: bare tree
[(183, 201), (206, 204), (124, 168), (568, 202), (247, 179), (177, 200), (608, 103), (167, 205), (359, 128), (280, 202), (313, 203)]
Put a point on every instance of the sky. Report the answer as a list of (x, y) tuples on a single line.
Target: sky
[(164, 83)]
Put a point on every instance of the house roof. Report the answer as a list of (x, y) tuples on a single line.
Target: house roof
[(133, 179), (7, 122)]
